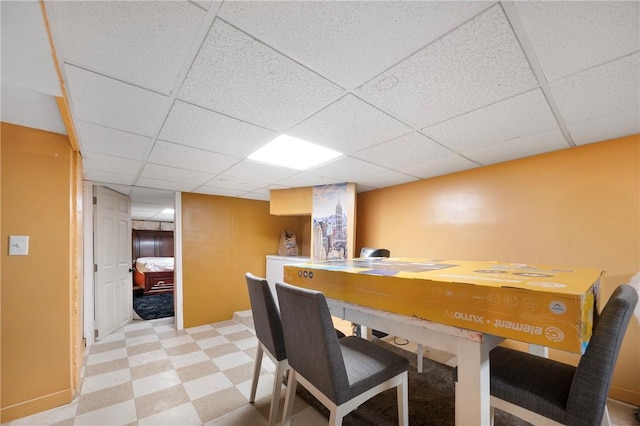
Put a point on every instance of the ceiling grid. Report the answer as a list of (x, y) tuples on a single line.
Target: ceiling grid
[(173, 96)]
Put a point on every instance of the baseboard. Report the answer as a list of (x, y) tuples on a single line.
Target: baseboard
[(624, 395), (244, 317), (37, 405)]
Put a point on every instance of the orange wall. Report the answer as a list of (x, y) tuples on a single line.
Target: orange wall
[(577, 207), (36, 325), (222, 239)]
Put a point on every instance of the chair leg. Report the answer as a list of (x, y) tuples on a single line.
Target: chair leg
[(335, 417), (281, 367), (256, 372), (403, 400), (420, 357), (492, 414), (456, 399), (292, 384), (606, 420)]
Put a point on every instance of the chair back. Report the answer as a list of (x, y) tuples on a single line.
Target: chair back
[(590, 387), (266, 318), (374, 252), (312, 344)]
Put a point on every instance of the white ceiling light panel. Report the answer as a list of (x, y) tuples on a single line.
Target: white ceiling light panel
[(294, 153)]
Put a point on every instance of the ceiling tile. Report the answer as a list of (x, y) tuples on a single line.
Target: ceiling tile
[(477, 64), (123, 189), (27, 108), (348, 42), (206, 4), (224, 192), (307, 179), (141, 214), (616, 125), (105, 140), (233, 183), (170, 154), (347, 169), (407, 150), (156, 171), (440, 166), (200, 128), (148, 48), (147, 207), (251, 171), (108, 177), (363, 188), (348, 125), (236, 75), (28, 68), (571, 36), (109, 163), (599, 91), (153, 196), (257, 195), (111, 103), (515, 117), (169, 185), (388, 178), (520, 147), (163, 217), (150, 212)]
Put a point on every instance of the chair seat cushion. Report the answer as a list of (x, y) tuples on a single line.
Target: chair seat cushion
[(538, 384), (367, 365)]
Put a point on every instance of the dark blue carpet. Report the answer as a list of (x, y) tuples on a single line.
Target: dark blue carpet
[(154, 306)]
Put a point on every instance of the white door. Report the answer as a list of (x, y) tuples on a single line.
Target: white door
[(112, 256)]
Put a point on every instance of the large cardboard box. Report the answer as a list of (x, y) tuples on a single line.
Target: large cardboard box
[(546, 305)]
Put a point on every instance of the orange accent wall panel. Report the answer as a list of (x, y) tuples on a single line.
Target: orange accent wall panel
[(36, 332), (579, 207), (222, 239)]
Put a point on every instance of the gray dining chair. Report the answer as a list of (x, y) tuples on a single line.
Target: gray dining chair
[(341, 373), (268, 327), (543, 391)]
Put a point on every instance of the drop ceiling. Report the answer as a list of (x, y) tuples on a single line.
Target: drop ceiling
[(173, 96)]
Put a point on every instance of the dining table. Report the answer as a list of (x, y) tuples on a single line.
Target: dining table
[(438, 304)]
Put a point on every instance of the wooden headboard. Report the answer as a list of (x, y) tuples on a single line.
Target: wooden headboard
[(152, 243)]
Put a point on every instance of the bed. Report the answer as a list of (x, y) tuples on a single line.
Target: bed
[(154, 274), (153, 261)]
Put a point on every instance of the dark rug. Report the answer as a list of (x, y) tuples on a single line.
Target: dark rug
[(154, 306), (431, 399)]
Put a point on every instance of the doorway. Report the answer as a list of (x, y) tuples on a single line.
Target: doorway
[(153, 269), (143, 196)]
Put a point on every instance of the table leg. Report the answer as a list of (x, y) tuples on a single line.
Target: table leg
[(473, 386), (542, 351)]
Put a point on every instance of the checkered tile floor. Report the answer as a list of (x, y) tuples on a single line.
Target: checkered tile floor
[(148, 373)]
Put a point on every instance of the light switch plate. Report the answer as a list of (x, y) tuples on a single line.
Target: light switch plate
[(18, 245)]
